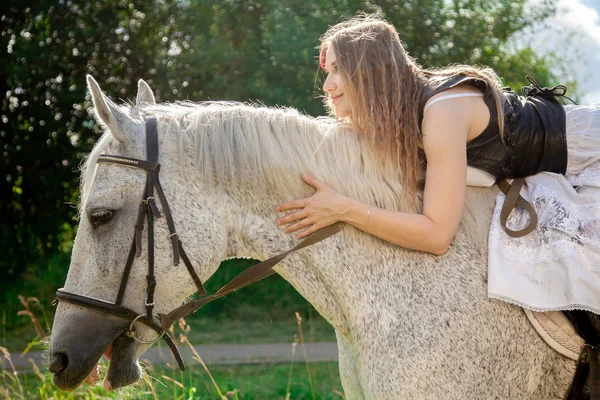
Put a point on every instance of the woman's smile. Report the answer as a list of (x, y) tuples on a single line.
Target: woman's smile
[(336, 97)]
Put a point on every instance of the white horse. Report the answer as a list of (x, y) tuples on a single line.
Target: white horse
[(409, 325)]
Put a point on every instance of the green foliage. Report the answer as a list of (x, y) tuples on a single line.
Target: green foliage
[(249, 50), (47, 48)]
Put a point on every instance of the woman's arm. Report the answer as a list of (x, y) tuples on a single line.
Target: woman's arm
[(445, 131)]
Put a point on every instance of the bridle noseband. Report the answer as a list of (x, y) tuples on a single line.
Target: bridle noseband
[(147, 212)]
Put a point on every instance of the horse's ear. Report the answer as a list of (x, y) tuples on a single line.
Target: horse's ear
[(109, 113), (144, 94)]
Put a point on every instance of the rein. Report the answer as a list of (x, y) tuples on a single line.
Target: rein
[(148, 212)]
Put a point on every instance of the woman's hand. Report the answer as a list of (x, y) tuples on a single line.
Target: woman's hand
[(325, 207)]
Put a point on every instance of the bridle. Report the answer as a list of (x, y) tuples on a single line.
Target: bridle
[(147, 212)]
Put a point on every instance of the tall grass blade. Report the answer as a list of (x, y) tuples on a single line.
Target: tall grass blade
[(310, 383), (16, 379), (197, 357), (294, 345)]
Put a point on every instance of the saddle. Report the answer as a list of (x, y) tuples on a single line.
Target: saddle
[(558, 331), (576, 335)]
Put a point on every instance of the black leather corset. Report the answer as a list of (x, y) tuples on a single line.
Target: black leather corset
[(534, 130)]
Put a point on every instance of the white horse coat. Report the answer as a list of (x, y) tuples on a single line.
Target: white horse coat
[(409, 325)]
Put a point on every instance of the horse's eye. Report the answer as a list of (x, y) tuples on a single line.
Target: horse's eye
[(100, 217)]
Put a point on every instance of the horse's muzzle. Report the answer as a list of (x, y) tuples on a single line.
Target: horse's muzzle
[(78, 340)]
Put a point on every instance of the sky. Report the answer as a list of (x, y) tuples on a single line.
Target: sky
[(575, 35)]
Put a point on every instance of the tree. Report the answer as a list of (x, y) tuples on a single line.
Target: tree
[(45, 128), (249, 50)]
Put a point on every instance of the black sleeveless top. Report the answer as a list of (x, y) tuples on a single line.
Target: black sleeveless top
[(534, 130)]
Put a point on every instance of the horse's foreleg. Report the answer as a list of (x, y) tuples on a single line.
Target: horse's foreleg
[(348, 370)]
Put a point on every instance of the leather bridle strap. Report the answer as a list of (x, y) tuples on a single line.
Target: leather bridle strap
[(249, 276), (513, 197), (118, 311)]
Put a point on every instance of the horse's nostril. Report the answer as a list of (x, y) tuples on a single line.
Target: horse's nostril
[(58, 363)]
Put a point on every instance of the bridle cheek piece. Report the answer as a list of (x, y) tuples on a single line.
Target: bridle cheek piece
[(147, 212)]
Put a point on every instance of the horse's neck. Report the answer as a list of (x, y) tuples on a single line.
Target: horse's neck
[(328, 273), (310, 271), (331, 275), (249, 215)]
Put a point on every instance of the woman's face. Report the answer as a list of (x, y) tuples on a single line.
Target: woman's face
[(335, 86)]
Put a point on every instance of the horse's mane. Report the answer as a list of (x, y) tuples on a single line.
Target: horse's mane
[(269, 147), (237, 144)]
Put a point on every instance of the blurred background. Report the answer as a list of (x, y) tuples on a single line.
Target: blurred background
[(247, 50)]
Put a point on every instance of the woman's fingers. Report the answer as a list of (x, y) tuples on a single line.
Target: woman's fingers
[(306, 232), (292, 217), (304, 218), (313, 182), (290, 205), (298, 225)]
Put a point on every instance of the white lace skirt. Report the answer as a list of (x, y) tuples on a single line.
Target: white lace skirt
[(557, 266)]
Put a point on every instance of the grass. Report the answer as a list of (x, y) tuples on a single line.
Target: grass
[(227, 329), (248, 382), (266, 381)]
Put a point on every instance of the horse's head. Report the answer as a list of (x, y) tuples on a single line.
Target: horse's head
[(111, 198)]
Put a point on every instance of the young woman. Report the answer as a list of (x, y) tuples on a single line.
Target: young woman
[(457, 122)]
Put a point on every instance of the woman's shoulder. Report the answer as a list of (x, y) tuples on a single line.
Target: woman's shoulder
[(440, 85), (457, 92), (463, 105)]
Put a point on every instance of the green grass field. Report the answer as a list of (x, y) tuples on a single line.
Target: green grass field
[(261, 313), (292, 380), (268, 381)]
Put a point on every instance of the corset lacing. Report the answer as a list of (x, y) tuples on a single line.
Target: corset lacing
[(557, 93)]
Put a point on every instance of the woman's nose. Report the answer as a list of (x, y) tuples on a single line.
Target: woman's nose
[(328, 85)]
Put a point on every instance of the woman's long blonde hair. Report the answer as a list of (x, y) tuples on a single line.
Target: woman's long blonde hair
[(384, 86)]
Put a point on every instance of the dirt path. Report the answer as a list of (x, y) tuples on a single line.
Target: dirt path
[(218, 354)]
